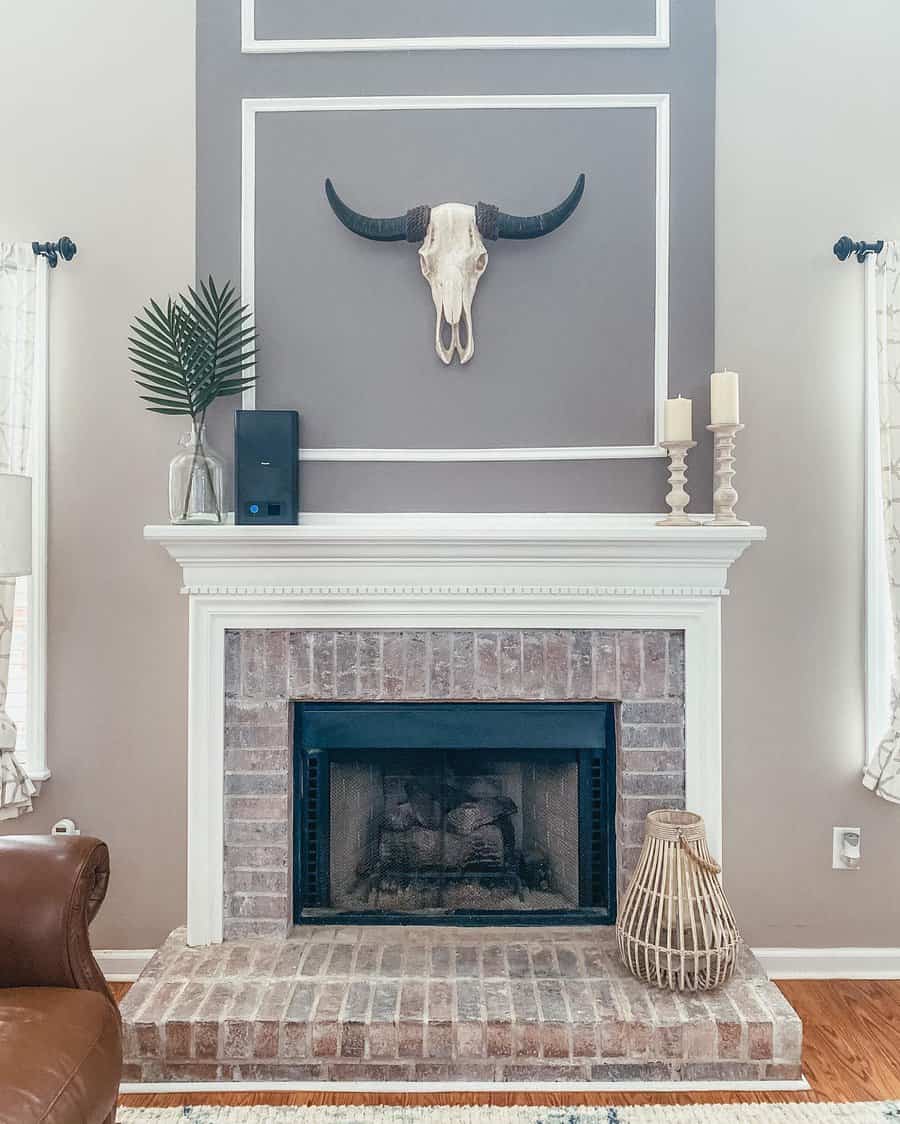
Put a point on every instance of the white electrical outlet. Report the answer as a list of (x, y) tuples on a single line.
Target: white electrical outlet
[(64, 827), (845, 848)]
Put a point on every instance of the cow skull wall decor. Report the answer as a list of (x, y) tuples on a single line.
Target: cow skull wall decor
[(452, 252)]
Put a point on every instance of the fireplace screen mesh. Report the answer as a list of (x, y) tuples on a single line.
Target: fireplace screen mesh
[(478, 810), (459, 831)]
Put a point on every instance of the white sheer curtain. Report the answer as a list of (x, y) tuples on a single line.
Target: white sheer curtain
[(19, 324), (882, 773)]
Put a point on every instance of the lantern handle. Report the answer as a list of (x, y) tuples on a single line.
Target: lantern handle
[(707, 864)]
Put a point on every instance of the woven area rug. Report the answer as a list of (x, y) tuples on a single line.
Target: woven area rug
[(871, 1113)]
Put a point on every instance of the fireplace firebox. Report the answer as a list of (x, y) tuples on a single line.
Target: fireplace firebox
[(424, 812)]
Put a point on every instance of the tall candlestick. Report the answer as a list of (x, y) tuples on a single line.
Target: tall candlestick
[(724, 405), (724, 495), (678, 497), (677, 420)]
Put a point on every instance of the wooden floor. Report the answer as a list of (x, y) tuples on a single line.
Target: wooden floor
[(851, 1052)]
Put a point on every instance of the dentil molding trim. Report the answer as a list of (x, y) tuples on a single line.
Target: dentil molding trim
[(450, 591), (429, 571)]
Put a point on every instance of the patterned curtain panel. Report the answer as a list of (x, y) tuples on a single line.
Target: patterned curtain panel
[(18, 322), (882, 774)]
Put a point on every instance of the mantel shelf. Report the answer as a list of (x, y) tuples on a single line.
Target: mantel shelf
[(380, 554), (457, 527)]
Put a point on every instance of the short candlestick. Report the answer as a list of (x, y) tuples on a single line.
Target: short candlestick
[(678, 498), (724, 496)]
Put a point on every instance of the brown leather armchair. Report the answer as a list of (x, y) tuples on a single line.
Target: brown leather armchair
[(60, 1032)]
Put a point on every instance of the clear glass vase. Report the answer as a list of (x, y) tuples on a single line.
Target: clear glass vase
[(196, 477)]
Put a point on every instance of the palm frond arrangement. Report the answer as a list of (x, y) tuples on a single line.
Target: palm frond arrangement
[(186, 354), (193, 351)]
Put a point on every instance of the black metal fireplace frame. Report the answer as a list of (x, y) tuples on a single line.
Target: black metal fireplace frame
[(322, 729)]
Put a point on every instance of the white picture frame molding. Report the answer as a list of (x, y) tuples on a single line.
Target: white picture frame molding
[(250, 44), (659, 103)]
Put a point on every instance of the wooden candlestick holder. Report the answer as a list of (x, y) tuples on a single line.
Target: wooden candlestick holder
[(724, 496), (678, 497)]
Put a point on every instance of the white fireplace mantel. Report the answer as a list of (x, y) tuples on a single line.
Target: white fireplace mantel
[(443, 571)]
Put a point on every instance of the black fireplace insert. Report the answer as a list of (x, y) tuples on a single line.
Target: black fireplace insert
[(463, 813)]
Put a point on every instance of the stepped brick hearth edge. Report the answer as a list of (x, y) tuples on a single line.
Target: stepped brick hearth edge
[(418, 1004)]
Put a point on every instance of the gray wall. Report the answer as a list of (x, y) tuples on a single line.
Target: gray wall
[(286, 19), (101, 147), (563, 326)]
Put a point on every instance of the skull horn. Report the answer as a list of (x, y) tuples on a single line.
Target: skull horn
[(410, 227), (494, 223)]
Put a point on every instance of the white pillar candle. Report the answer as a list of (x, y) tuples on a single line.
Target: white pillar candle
[(724, 406), (677, 420)]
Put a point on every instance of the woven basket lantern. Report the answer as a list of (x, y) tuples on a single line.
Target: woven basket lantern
[(675, 926)]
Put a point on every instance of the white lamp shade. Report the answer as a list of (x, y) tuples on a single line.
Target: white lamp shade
[(15, 525)]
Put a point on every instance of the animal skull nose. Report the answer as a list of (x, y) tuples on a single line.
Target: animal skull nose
[(452, 300)]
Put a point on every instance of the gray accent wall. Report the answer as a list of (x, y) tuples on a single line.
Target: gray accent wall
[(564, 327), (348, 324), (308, 19)]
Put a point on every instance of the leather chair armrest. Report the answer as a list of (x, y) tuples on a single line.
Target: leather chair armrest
[(51, 888)]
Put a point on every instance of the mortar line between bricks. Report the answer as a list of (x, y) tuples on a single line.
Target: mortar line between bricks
[(256, 772), (160, 1018)]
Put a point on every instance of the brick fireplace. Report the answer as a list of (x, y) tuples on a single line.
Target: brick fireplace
[(266, 671), (473, 614)]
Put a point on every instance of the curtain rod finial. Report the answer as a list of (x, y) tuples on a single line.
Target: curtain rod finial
[(65, 248), (845, 246)]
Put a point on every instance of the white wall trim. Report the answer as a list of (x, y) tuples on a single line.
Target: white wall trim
[(500, 571), (123, 965), (418, 1087), (830, 963), (550, 453), (250, 44), (126, 964), (659, 103)]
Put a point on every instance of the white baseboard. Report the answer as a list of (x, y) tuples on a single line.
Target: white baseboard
[(122, 965), (126, 964), (830, 963), (142, 1088)]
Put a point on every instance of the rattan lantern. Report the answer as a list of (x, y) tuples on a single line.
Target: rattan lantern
[(675, 926)]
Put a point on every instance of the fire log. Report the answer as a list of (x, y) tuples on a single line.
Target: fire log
[(473, 814)]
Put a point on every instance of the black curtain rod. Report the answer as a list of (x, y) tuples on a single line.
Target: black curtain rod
[(65, 248), (845, 246)]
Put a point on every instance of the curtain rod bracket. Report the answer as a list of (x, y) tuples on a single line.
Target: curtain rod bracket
[(845, 246), (65, 248)]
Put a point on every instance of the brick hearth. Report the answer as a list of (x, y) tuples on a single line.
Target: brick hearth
[(423, 1003), (443, 1004)]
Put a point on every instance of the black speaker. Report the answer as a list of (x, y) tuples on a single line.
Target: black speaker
[(266, 469)]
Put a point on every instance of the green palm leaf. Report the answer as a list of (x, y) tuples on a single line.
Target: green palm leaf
[(193, 350)]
